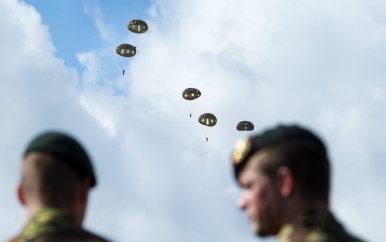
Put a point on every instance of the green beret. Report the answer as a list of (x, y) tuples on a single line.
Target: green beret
[(61, 144), (245, 148)]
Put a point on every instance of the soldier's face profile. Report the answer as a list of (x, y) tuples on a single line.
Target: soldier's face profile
[(259, 198)]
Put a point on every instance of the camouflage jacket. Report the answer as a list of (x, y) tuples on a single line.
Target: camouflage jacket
[(53, 225), (315, 226)]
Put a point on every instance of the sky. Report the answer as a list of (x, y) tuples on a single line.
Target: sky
[(319, 64)]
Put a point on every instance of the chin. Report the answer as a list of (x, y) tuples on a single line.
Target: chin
[(256, 229), (261, 232)]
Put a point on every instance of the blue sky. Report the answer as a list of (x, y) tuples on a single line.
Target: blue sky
[(73, 30), (315, 63)]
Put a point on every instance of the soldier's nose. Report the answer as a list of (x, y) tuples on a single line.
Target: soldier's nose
[(240, 203)]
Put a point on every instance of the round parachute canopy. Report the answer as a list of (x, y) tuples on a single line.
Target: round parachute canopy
[(137, 26), (126, 50), (207, 119), (245, 126), (191, 94)]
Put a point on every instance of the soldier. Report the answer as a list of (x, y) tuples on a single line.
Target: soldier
[(56, 177), (284, 175)]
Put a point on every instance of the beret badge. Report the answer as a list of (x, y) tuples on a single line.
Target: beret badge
[(242, 148)]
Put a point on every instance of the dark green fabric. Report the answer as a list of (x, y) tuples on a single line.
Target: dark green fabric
[(63, 145), (269, 137), (54, 225), (315, 226)]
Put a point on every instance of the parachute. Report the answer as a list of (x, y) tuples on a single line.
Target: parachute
[(137, 26), (245, 126), (191, 94), (126, 50), (207, 119)]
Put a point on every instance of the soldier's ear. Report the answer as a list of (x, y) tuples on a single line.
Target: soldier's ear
[(20, 194), (286, 180)]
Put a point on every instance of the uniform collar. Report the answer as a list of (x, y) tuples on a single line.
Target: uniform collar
[(308, 220), (46, 221)]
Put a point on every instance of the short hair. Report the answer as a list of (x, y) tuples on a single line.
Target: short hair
[(64, 145), (308, 162), (47, 178)]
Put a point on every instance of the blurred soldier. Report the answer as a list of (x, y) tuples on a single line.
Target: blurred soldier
[(56, 177), (284, 175)]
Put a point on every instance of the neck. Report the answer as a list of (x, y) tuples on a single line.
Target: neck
[(35, 207), (298, 207), (32, 208)]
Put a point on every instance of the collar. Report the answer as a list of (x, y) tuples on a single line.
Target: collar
[(46, 221), (316, 221)]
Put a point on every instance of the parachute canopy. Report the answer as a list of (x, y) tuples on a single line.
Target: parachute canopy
[(245, 126), (207, 119), (191, 94), (126, 50), (137, 26)]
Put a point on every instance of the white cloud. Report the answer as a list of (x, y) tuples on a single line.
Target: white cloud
[(315, 63), (101, 112), (94, 11)]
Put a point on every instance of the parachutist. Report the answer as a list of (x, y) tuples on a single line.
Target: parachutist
[(207, 119), (190, 94), (125, 50)]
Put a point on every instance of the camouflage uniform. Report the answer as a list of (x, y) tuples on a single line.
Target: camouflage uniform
[(315, 226), (54, 225)]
